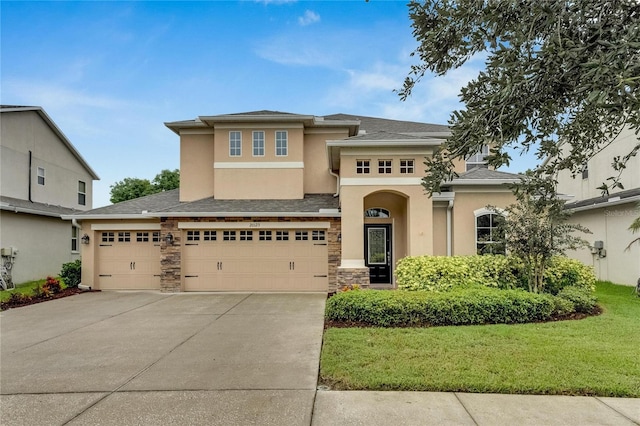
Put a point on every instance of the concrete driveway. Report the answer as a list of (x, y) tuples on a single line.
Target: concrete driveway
[(149, 358)]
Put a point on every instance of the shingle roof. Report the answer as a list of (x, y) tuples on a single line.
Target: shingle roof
[(603, 200), (483, 173), (383, 136), (150, 203), (374, 124), (26, 206)]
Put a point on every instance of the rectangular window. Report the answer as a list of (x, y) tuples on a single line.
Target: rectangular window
[(478, 160), (258, 144), (363, 167), (82, 193), (108, 237), (406, 166), (246, 235), (210, 235), (193, 235), (281, 143), (229, 235), (74, 238), (265, 235), (302, 235), (124, 237), (317, 235), (142, 237), (384, 167), (156, 237), (585, 171), (282, 235), (235, 144), (40, 176)]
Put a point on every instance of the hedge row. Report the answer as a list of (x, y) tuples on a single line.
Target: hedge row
[(443, 273), (463, 306)]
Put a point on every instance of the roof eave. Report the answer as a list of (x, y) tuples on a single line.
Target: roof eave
[(457, 182), (244, 214), (604, 204), (14, 209)]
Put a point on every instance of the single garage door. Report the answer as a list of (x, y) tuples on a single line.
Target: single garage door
[(255, 260), (129, 260)]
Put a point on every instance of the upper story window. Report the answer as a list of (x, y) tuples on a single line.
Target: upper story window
[(363, 167), (282, 149), (235, 144), (479, 159), (406, 166), (258, 144), (40, 175), (489, 235), (384, 167), (82, 193), (585, 171)]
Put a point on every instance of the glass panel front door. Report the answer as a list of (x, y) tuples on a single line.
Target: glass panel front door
[(378, 252)]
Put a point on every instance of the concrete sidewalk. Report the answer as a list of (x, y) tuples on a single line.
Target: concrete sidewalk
[(121, 358)]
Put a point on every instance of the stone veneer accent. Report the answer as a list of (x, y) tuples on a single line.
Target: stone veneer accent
[(171, 255), (351, 276)]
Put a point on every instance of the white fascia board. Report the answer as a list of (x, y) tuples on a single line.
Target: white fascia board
[(259, 165), (125, 227), (480, 182), (253, 225), (606, 204), (258, 126), (391, 143), (13, 209), (443, 196), (243, 214), (380, 181), (107, 216)]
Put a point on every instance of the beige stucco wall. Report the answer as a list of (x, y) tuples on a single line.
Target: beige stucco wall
[(440, 229), (467, 200), (21, 132), (88, 251), (350, 156), (258, 184), (600, 170), (611, 226), (317, 179), (196, 165), (44, 244)]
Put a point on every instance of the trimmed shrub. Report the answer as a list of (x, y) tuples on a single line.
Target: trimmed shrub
[(465, 306), (564, 272), (51, 286), (443, 273), (71, 273), (581, 299)]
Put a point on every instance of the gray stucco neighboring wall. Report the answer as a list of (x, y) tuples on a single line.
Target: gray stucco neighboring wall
[(44, 244)]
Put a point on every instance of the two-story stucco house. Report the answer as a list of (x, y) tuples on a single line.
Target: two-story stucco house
[(43, 177), (272, 201), (607, 217)]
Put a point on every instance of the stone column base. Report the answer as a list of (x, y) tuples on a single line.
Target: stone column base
[(347, 277)]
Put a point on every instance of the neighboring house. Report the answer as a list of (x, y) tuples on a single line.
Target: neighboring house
[(43, 177), (607, 217), (272, 201)]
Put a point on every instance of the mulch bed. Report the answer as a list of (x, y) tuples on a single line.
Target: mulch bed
[(26, 300)]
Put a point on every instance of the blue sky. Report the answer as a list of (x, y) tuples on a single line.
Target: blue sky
[(111, 73)]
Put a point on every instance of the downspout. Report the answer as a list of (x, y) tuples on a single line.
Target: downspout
[(449, 209), (337, 176), (30, 172)]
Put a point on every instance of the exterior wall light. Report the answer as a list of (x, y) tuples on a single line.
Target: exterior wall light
[(85, 239), (169, 238)]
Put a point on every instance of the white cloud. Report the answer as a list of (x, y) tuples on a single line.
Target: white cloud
[(309, 17)]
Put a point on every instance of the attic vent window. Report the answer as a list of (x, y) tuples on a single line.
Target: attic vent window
[(377, 212)]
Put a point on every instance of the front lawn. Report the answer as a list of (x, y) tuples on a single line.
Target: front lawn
[(24, 288), (594, 356)]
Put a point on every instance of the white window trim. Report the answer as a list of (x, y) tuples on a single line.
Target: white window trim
[(286, 132), (382, 164), (474, 161), (253, 143), (481, 212), (43, 176), (83, 193), (75, 236), (234, 155), (407, 166)]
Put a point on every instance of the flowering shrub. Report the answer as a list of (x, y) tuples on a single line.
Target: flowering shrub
[(51, 287)]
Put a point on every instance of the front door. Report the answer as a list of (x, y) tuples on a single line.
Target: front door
[(377, 249)]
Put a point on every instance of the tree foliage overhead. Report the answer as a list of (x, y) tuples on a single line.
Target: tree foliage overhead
[(130, 188), (555, 71)]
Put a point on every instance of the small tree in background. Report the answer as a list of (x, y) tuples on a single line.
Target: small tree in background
[(535, 230), (130, 188)]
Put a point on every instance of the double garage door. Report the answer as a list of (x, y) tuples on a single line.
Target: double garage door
[(255, 260)]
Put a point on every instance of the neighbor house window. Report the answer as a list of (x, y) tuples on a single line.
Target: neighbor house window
[(406, 166), (258, 144), (74, 238), (281, 143), (479, 159), (82, 193), (363, 167), (384, 167), (40, 176), (585, 171), (235, 144), (489, 234)]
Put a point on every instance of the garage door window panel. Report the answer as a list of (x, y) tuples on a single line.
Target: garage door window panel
[(265, 235), (246, 235), (229, 236), (124, 237), (282, 235)]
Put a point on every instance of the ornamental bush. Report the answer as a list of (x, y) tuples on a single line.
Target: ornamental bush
[(581, 299), (71, 273), (462, 306), (442, 273)]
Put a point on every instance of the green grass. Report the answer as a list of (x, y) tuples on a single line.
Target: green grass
[(25, 288), (594, 356)]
